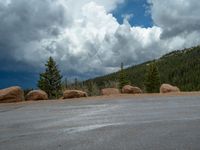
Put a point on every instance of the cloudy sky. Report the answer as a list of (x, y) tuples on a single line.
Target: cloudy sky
[(88, 38)]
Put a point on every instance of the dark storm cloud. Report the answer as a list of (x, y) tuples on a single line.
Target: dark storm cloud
[(24, 21)]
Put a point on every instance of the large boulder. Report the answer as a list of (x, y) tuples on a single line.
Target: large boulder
[(110, 91), (37, 95), (74, 94), (128, 89), (167, 88), (11, 94)]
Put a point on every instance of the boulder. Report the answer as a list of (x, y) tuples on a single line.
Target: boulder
[(37, 95), (167, 88), (110, 91), (74, 94), (11, 94), (128, 89)]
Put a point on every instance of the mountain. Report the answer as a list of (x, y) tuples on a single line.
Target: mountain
[(180, 68)]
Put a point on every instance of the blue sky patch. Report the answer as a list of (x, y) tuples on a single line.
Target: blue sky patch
[(139, 11)]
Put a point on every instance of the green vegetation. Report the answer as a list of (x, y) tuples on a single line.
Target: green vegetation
[(92, 89), (180, 68), (122, 77), (152, 79), (50, 80)]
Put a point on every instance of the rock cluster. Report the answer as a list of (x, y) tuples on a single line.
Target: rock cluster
[(16, 94)]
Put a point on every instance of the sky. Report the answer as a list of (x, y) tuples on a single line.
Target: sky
[(90, 38)]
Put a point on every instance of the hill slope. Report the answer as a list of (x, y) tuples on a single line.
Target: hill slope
[(180, 68)]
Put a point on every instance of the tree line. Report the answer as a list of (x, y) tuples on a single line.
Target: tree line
[(51, 82), (180, 68)]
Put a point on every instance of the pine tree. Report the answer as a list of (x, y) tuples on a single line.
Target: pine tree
[(152, 81), (50, 80), (122, 77)]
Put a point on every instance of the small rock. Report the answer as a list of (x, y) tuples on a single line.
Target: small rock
[(11, 94), (74, 94), (37, 95), (110, 91), (128, 89), (167, 88)]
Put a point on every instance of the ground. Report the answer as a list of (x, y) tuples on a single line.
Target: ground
[(147, 122)]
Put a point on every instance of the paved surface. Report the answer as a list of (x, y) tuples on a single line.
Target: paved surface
[(141, 123)]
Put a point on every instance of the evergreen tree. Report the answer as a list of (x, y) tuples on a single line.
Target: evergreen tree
[(50, 80), (180, 68), (122, 77), (152, 81)]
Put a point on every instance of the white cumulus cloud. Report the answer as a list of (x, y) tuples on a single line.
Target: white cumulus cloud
[(84, 37)]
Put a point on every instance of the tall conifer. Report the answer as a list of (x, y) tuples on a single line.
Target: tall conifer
[(152, 81), (122, 77), (50, 80)]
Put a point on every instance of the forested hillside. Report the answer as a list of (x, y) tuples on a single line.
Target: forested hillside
[(180, 68)]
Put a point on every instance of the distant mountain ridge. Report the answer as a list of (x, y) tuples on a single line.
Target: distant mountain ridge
[(180, 68)]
